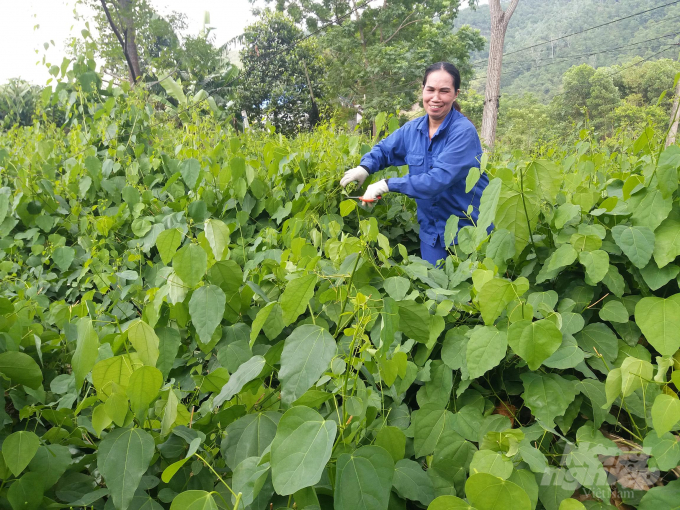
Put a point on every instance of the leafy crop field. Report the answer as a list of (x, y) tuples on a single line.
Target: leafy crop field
[(196, 319)]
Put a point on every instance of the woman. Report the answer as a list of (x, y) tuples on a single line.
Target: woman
[(439, 149)]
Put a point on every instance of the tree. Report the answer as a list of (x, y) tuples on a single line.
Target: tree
[(282, 75), (18, 100), (499, 25), (125, 32), (377, 54)]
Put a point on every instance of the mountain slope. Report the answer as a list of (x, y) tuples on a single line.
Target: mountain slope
[(539, 70)]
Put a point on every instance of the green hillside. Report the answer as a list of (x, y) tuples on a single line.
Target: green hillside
[(539, 70)]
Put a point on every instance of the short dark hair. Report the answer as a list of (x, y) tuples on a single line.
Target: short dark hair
[(444, 66), (449, 68)]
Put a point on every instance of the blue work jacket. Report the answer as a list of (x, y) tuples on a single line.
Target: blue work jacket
[(437, 169)]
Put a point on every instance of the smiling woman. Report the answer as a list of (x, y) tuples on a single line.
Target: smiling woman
[(439, 148)]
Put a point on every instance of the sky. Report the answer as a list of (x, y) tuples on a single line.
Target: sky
[(19, 37)]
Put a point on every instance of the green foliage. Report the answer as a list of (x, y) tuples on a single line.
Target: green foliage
[(191, 312), (278, 71)]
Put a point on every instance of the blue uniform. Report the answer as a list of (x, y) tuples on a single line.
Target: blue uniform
[(437, 169)]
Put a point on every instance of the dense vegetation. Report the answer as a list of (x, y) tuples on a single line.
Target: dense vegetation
[(539, 70), (192, 317)]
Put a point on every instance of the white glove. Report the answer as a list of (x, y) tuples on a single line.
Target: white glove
[(358, 174), (375, 190)]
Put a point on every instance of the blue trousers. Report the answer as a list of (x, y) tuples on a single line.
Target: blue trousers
[(433, 253)]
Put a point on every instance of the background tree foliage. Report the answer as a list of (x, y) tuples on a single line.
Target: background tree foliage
[(539, 70), (278, 70), (376, 55)]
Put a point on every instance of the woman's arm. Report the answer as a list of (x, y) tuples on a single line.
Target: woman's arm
[(453, 164), (390, 151)]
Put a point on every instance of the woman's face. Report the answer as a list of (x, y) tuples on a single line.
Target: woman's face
[(439, 94)]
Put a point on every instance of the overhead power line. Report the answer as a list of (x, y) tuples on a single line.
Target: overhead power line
[(566, 58), (582, 31)]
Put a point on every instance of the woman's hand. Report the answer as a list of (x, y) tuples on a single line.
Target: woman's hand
[(374, 191), (357, 174)]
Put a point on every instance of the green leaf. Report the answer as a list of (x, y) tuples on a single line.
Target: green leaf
[(62, 256), (488, 492), (169, 342), (411, 482), (659, 320), (656, 277), (296, 296), (301, 449), (450, 230), (636, 242), (568, 355), (194, 500), (649, 208), (397, 287), (667, 241), (497, 294), (269, 319), (438, 389), (485, 350), (667, 171), (167, 243), (190, 170), (412, 318), (217, 234), (429, 423), (666, 497), (110, 372), (487, 209), (123, 457), (145, 383), (449, 503), (517, 213), (450, 463), (248, 479), (472, 177), (534, 342), (596, 264), (50, 462), (565, 213), (571, 504), (248, 371), (145, 341), (307, 352), (26, 493), (206, 308), (18, 449), (665, 449), (346, 207), (598, 337), (227, 275), (20, 368), (547, 395), (363, 479), (87, 349), (665, 413), (493, 463), (614, 311), (393, 440), (249, 436), (190, 264), (586, 468)]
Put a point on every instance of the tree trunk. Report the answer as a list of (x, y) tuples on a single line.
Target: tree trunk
[(130, 39), (499, 25), (675, 117), (126, 35)]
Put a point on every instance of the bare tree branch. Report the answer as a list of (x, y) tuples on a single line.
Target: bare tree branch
[(403, 24)]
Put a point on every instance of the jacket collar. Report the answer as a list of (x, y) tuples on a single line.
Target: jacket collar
[(425, 123)]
